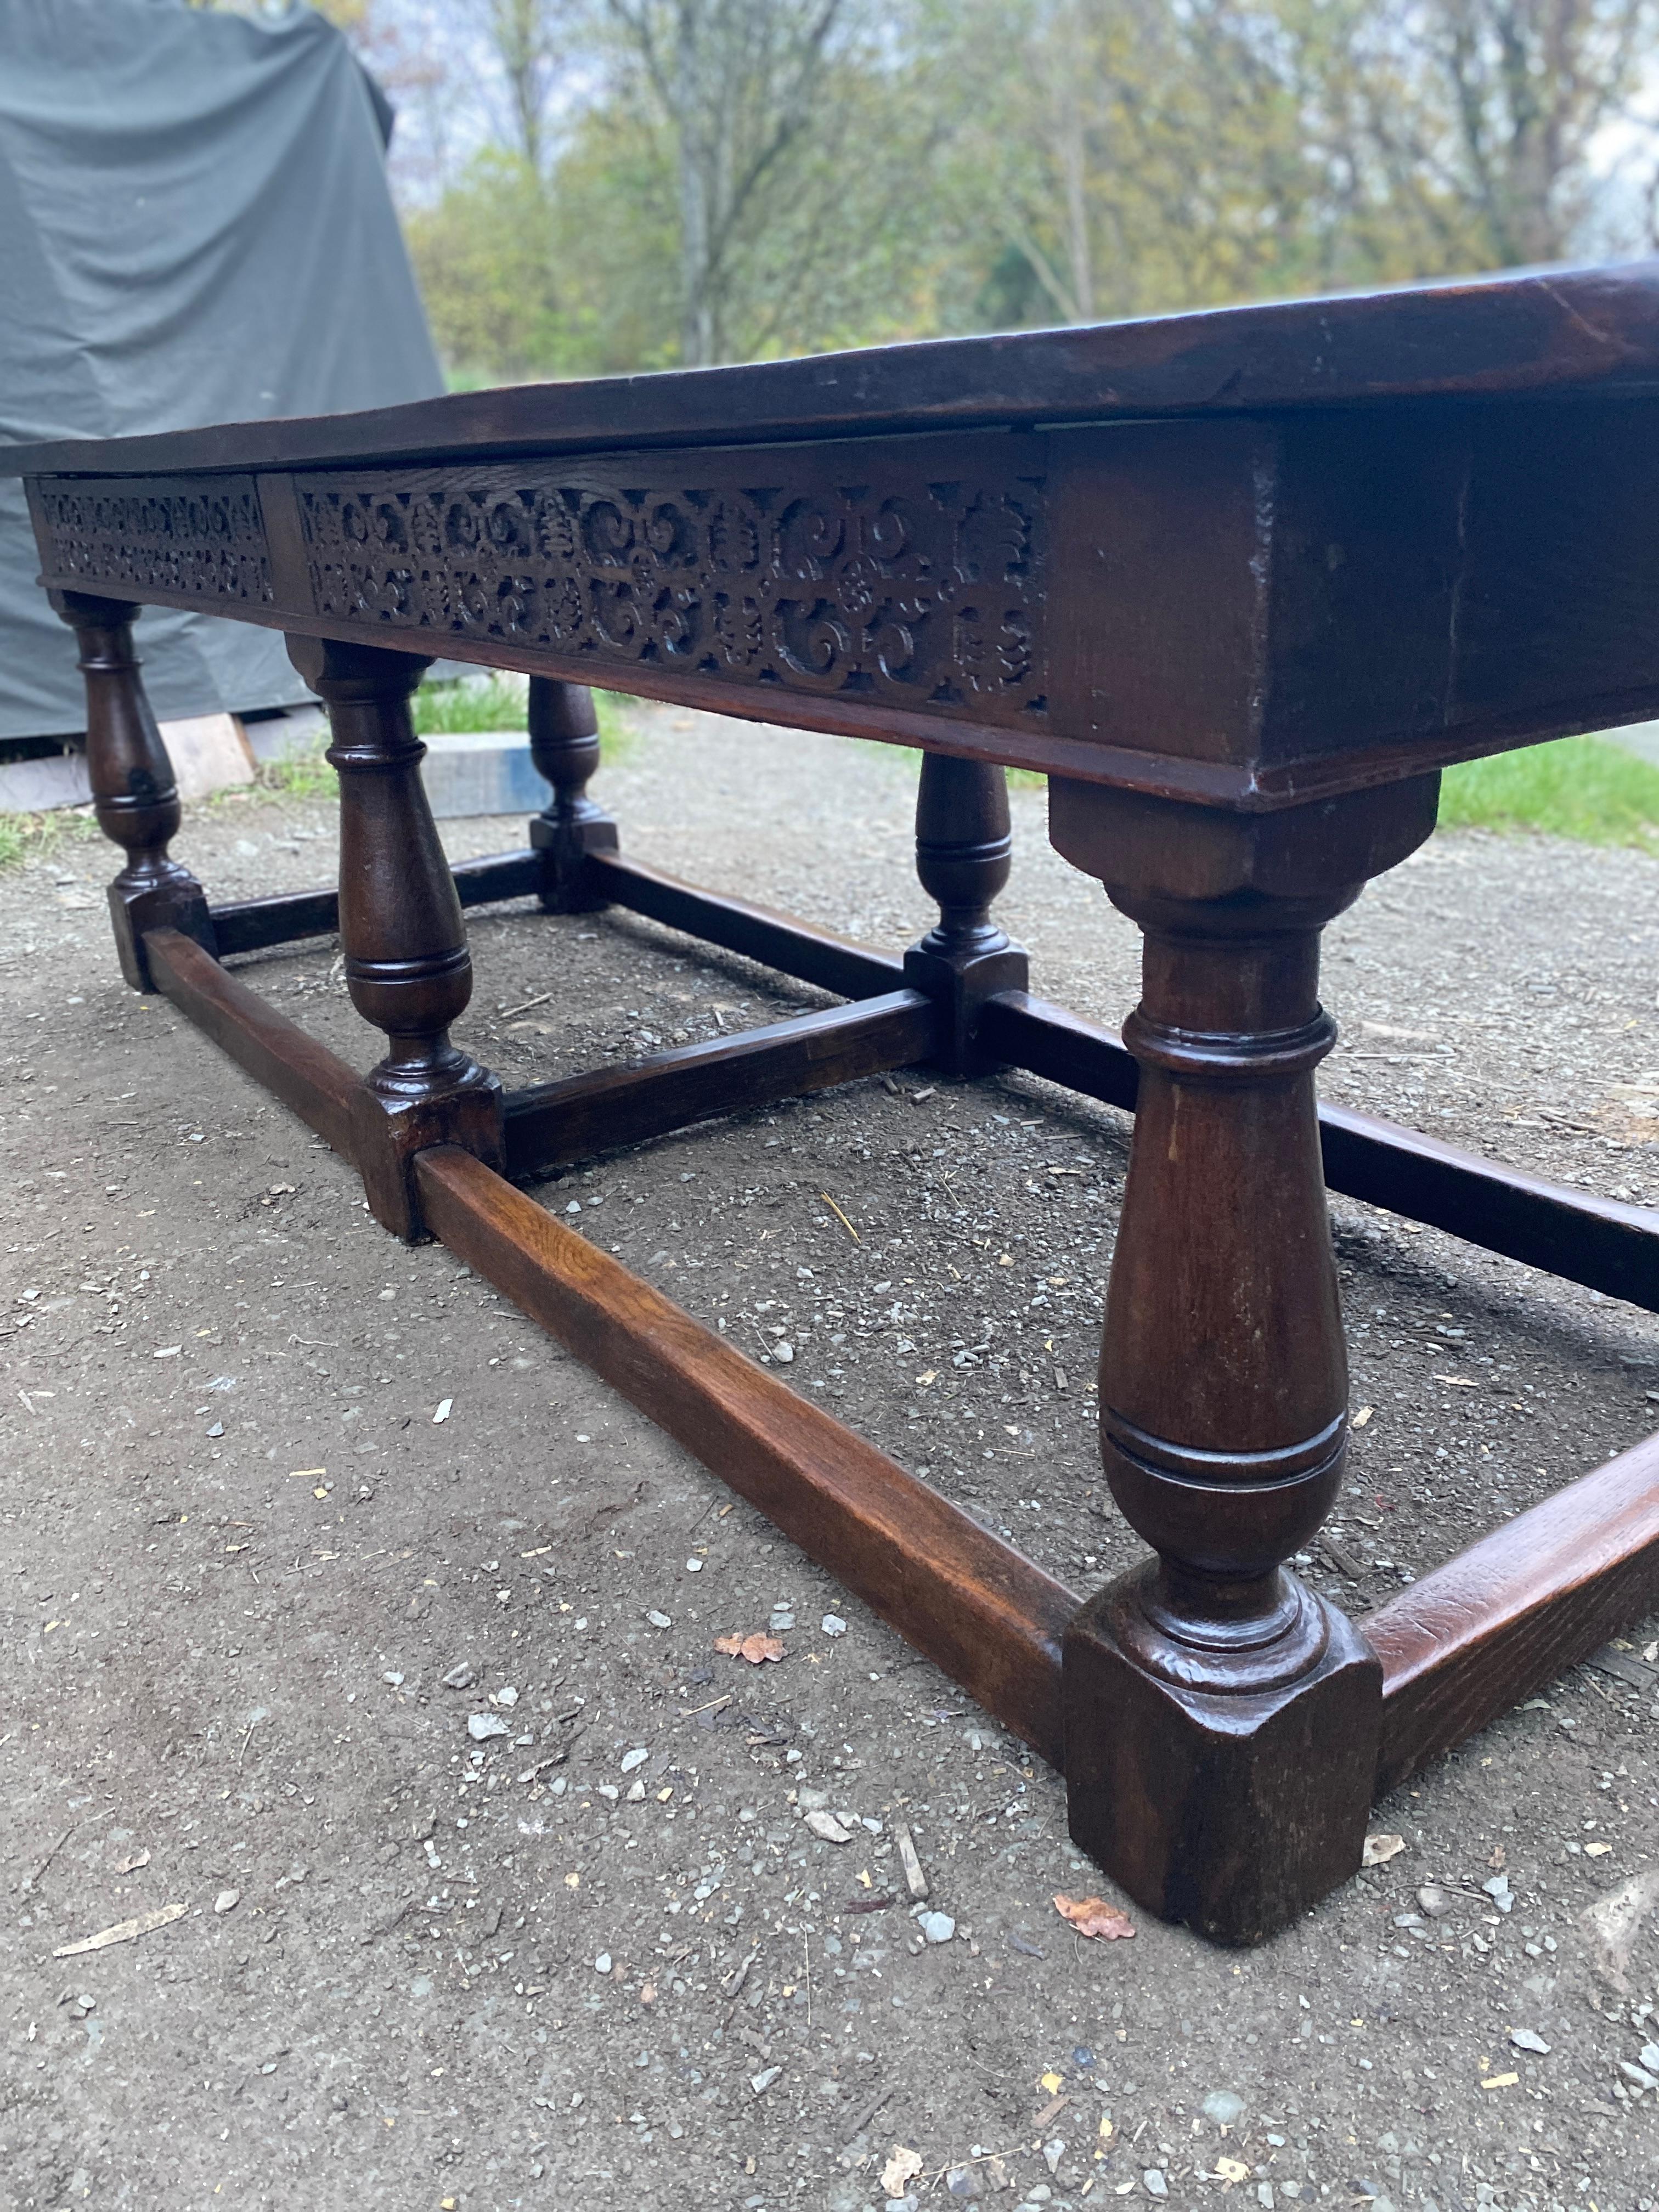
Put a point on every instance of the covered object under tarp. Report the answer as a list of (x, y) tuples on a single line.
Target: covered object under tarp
[(195, 226)]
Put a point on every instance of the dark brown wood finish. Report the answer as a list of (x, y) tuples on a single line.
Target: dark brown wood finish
[(776, 940), (963, 854), (1467, 1642), (134, 794), (305, 1075), (1541, 331), (1239, 583), (554, 1123), (1221, 1719), (988, 1617), (564, 744), (407, 965), (1601, 1242)]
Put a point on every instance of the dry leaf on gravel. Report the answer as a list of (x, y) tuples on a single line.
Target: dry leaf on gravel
[(1380, 1848), (123, 1932), (900, 2170), (755, 1649), (1093, 1916)]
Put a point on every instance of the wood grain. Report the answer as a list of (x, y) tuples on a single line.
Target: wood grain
[(1601, 1242), (987, 1616), (1542, 333), (254, 925), (304, 1074), (1467, 1642), (553, 1123)]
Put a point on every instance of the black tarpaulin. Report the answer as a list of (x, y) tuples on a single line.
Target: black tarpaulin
[(195, 226)]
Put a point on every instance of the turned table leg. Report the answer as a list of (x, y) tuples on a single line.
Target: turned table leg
[(407, 965), (963, 847), (134, 794), (564, 745), (1222, 1721)]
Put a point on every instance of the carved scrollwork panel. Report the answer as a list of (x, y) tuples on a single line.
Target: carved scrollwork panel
[(862, 570), (204, 539)]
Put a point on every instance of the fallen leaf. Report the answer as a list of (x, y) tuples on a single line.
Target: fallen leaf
[(131, 1865), (1380, 1848), (1596, 1850), (1093, 1916), (1498, 1855), (1231, 2170), (1362, 1417), (1049, 2081), (1500, 2081), (900, 2170), (124, 1931), (757, 1649)]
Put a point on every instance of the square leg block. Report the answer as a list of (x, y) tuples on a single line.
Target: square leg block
[(1231, 1811), (386, 1132), (175, 902)]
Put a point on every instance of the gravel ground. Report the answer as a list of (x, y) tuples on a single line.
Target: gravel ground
[(343, 1613)]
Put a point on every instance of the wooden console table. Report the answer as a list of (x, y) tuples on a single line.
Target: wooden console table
[(1241, 584)]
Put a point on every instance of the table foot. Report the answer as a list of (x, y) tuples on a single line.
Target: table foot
[(564, 745), (963, 849), (134, 794)]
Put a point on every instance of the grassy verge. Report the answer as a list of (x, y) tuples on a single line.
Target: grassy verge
[(1583, 789)]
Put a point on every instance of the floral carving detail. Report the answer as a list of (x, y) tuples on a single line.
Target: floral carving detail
[(928, 594), (204, 540)]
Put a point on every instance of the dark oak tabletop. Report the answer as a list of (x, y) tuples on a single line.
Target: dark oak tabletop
[(1590, 331)]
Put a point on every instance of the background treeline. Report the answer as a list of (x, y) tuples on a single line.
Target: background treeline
[(593, 185)]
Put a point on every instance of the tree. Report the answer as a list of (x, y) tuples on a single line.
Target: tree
[(742, 89)]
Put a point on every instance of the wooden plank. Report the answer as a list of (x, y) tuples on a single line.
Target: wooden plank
[(251, 925), (551, 1123), (971, 1603), (1047, 1040), (305, 1075), (777, 940), (498, 876), (1468, 1642), (1599, 1241), (1564, 330)]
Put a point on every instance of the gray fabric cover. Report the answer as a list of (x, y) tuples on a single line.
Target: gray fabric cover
[(195, 226)]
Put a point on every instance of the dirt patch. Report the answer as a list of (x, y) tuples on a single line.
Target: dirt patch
[(503, 1885)]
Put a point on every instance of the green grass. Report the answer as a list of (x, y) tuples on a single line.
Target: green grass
[(498, 704), (37, 837), (1583, 789)]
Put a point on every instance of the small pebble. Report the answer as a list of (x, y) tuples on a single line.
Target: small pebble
[(1225, 2107), (1053, 2152), (508, 1696), (1528, 2039), (482, 1726), (227, 1900), (461, 1676), (694, 1566), (783, 1353), (659, 1620), (1153, 2182), (826, 1825), (637, 1757), (937, 1927), (759, 2083), (602, 1963), (833, 1624)]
